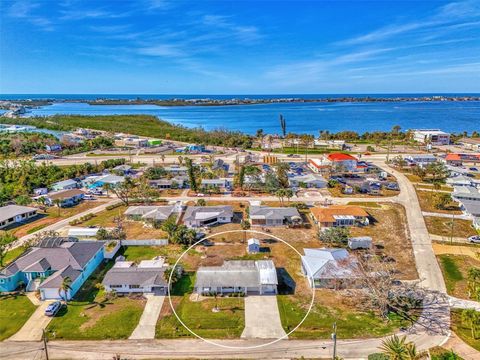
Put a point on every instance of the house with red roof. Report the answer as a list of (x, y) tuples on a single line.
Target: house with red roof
[(346, 161), (458, 159)]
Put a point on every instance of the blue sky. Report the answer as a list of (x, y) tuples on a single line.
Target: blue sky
[(239, 47)]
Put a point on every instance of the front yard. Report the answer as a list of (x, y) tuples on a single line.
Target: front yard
[(443, 227), (15, 310), (198, 316), (92, 315), (455, 272), (351, 323)]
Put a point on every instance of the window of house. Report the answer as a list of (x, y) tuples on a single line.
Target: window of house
[(134, 286), (116, 286)]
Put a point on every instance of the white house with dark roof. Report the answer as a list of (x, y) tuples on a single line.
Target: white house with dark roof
[(12, 214), (237, 276), (462, 193), (308, 181), (274, 216), (152, 213), (44, 267), (329, 268), (146, 277), (64, 198), (197, 216)]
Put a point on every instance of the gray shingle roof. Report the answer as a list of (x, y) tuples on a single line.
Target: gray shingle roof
[(266, 212), (55, 280), (135, 276), (9, 211), (205, 212)]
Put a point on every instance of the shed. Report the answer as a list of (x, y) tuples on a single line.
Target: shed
[(360, 242), (253, 246)]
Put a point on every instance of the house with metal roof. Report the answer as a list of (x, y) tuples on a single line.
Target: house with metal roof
[(274, 216), (177, 182), (332, 268), (196, 216), (12, 214), (237, 276), (153, 213), (308, 181), (462, 193), (146, 277), (44, 268), (65, 185)]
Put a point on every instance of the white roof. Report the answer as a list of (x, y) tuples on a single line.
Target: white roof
[(123, 264), (9, 211), (267, 272), (155, 263), (253, 241), (80, 231)]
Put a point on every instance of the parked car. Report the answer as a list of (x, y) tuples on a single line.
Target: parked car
[(474, 239), (53, 308), (474, 169)]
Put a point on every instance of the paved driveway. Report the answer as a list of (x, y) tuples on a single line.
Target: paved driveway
[(262, 318), (33, 328), (146, 326)]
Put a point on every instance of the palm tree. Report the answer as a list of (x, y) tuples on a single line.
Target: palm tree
[(395, 348), (180, 159), (245, 224), (471, 318), (163, 158), (65, 287), (57, 202)]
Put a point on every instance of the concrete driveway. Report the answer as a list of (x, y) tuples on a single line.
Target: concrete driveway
[(146, 326), (262, 318), (32, 330)]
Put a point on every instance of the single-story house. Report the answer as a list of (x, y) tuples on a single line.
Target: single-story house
[(469, 143), (360, 242), (176, 170), (308, 181), (329, 268), (146, 277), (12, 214), (346, 161), (102, 180), (122, 169), (471, 208), (53, 147), (151, 213), (225, 183), (421, 159), (460, 180), (253, 246), (458, 159), (45, 267), (462, 193), (66, 198), (40, 191), (174, 183), (83, 232), (319, 165), (237, 276), (196, 216), (339, 215), (65, 185), (274, 216)]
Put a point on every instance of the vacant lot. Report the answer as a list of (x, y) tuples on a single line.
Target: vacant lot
[(463, 330), (134, 229), (390, 232), (351, 322), (443, 227), (455, 272), (199, 317), (427, 203), (92, 315), (171, 253), (14, 312)]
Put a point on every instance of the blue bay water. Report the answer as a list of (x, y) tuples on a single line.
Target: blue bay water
[(301, 117)]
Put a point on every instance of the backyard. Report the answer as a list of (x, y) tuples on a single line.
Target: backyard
[(455, 272), (14, 312)]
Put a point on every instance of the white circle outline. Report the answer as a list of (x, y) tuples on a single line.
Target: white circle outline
[(238, 347)]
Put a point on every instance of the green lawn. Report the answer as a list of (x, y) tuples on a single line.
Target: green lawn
[(14, 312), (463, 331), (318, 324), (12, 255), (92, 316), (184, 285), (365, 204), (455, 272), (198, 316)]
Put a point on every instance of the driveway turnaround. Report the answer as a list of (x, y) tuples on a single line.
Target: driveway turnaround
[(32, 330), (262, 318), (146, 326)]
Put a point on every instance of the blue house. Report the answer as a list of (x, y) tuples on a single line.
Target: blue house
[(45, 267)]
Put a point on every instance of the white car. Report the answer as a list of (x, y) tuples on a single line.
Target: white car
[(474, 239)]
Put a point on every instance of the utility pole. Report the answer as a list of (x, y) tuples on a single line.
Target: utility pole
[(334, 338), (45, 344), (451, 229)]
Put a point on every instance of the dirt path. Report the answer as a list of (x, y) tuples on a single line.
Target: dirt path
[(471, 251)]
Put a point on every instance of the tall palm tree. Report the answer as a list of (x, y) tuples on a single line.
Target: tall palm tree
[(65, 287)]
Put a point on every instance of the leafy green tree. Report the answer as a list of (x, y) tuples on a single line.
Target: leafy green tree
[(334, 235), (175, 275), (191, 174), (170, 226), (282, 169), (473, 278), (471, 318), (155, 173), (123, 190), (441, 200), (201, 202)]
